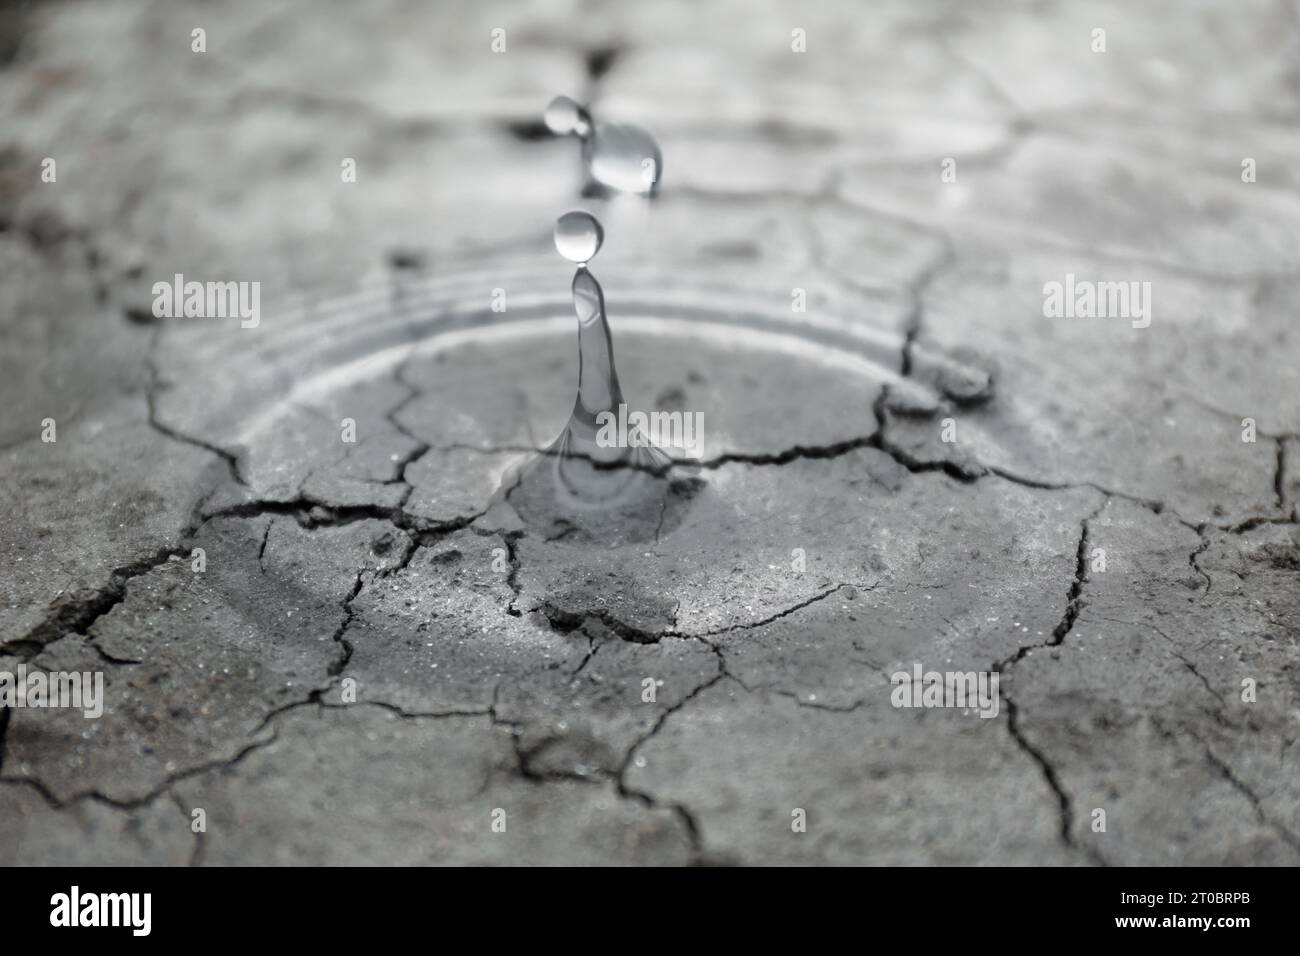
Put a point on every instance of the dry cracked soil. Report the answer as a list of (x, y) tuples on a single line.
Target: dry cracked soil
[(356, 652)]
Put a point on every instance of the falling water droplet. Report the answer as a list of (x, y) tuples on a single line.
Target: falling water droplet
[(625, 158), (563, 116), (618, 156), (578, 236)]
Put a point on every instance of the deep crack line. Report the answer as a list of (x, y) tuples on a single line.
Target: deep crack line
[(512, 579), (1250, 524), (1279, 475), (523, 758), (311, 513), (107, 599), (1081, 576), (1052, 779), (338, 666), (402, 712), (687, 818), (528, 773), (151, 401), (1194, 564), (168, 782), (254, 745), (1074, 599), (1074, 596), (568, 621), (78, 616), (878, 440), (261, 550), (820, 596), (777, 458)]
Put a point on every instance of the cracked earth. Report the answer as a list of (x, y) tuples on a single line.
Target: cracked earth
[(497, 668)]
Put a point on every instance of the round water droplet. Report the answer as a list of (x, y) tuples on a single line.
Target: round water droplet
[(563, 116), (578, 236), (625, 158)]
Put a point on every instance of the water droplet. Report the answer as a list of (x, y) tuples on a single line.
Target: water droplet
[(625, 158), (578, 237), (618, 156), (563, 116)]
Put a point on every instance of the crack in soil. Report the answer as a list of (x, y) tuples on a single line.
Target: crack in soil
[(1288, 836), (1051, 778), (79, 616), (1194, 564), (151, 399), (1221, 715), (1074, 602), (684, 814), (820, 596), (1279, 475)]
